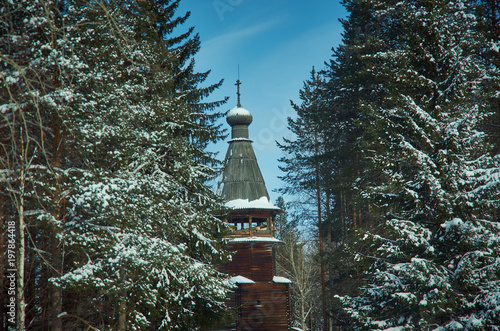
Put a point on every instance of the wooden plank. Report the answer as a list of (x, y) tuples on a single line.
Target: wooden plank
[(264, 306), (252, 260)]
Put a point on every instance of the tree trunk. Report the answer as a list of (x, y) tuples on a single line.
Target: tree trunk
[(56, 249), (20, 314), (20, 304), (354, 216), (56, 292), (302, 314), (320, 231), (122, 314)]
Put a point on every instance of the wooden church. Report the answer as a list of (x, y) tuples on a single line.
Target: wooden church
[(261, 298)]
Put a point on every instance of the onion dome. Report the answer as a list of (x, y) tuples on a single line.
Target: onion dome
[(239, 116)]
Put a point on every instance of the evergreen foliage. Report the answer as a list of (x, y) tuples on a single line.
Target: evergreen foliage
[(301, 153), (434, 167), (308, 165), (410, 102), (37, 70), (103, 100)]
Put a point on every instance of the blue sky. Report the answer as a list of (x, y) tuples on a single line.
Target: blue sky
[(275, 43)]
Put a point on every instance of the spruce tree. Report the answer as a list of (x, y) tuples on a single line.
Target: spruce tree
[(308, 166), (432, 174), (348, 83), (141, 210), (103, 103)]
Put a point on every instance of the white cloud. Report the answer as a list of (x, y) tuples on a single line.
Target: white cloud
[(224, 45)]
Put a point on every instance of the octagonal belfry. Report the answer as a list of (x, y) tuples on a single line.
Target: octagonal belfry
[(261, 298)]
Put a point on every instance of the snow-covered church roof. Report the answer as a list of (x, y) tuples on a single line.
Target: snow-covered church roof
[(241, 184)]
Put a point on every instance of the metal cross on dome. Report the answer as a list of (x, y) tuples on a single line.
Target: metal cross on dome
[(238, 83)]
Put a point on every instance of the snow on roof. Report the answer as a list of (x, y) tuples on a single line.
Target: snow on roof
[(261, 203), (241, 280), (250, 239), (239, 116), (281, 280), (238, 111), (239, 139)]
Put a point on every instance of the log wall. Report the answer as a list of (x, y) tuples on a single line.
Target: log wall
[(252, 260), (263, 306)]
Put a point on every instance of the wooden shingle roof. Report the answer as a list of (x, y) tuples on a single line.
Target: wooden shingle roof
[(242, 185)]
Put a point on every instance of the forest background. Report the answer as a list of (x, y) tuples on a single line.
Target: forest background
[(394, 166)]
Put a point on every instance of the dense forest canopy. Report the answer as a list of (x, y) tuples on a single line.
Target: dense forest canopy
[(395, 155), (103, 128)]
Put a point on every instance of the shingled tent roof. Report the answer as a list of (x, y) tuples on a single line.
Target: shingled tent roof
[(242, 185)]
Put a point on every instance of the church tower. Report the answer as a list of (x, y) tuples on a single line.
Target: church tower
[(261, 298)]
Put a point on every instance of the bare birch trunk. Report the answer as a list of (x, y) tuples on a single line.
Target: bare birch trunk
[(302, 315), (20, 304), (20, 308)]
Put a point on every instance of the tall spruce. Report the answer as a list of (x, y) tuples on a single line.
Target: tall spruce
[(432, 178), (308, 168), (348, 83), (103, 101), (144, 197)]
